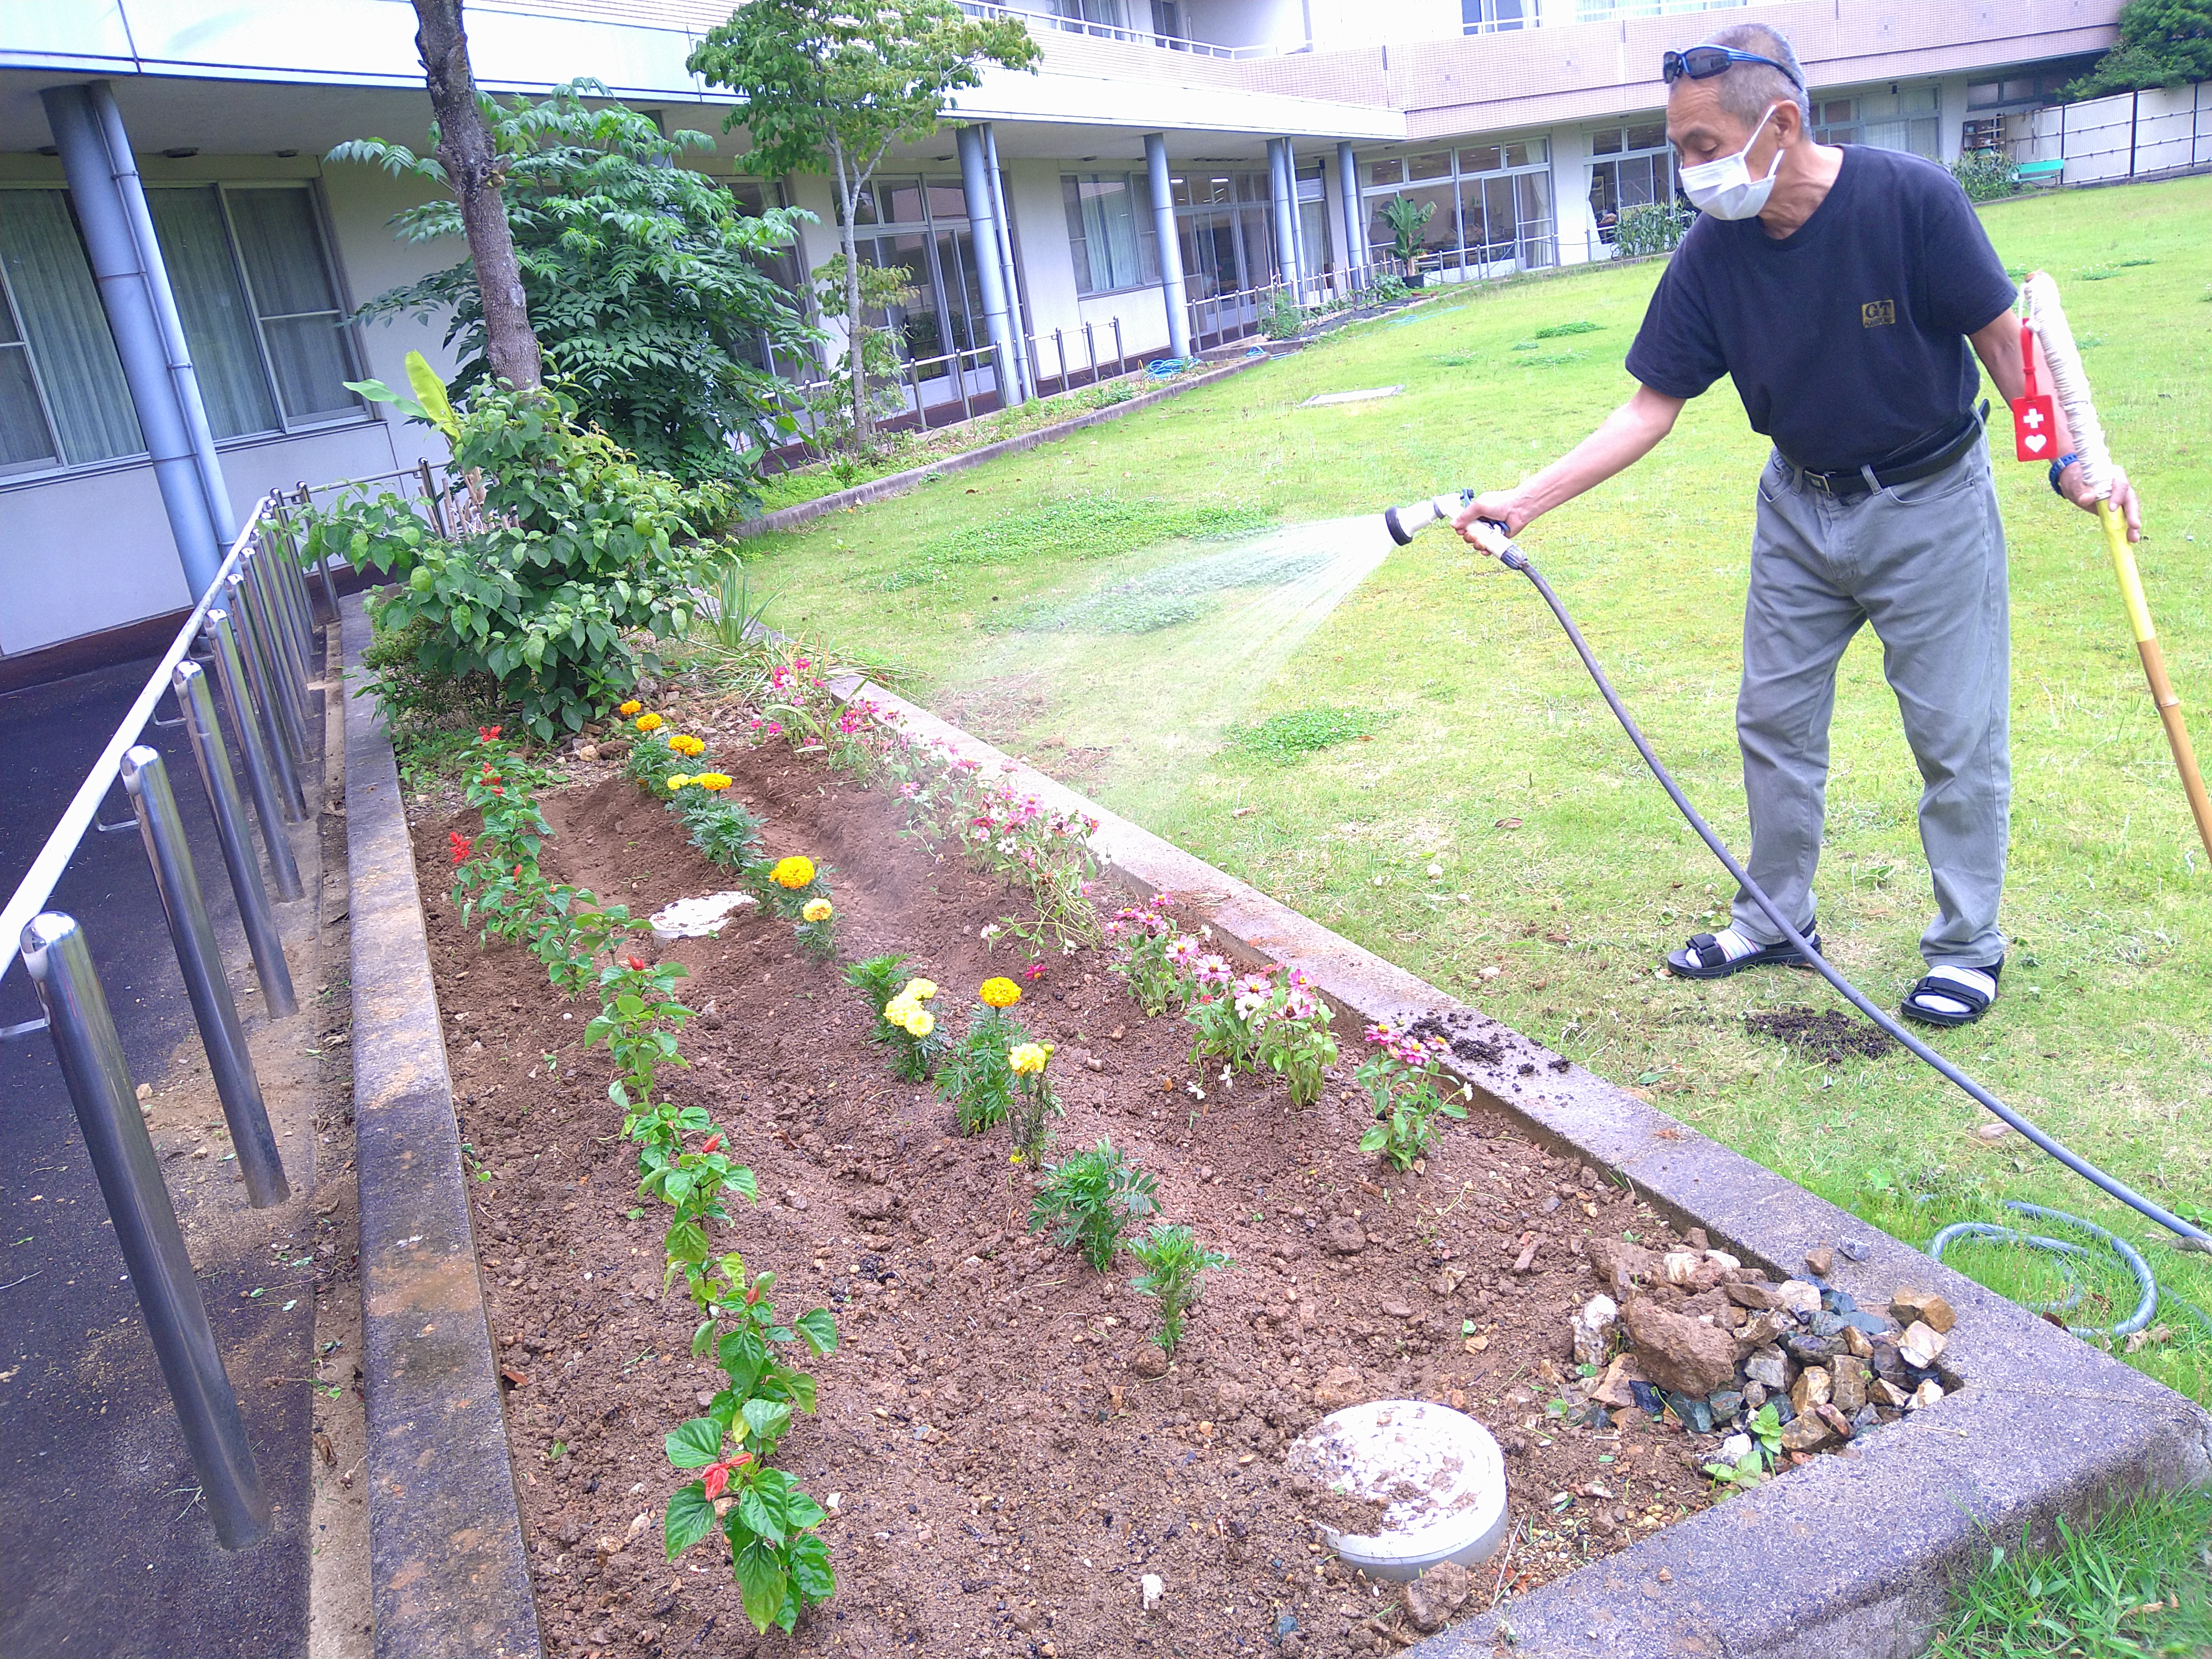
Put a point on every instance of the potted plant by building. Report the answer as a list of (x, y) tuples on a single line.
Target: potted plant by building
[(1407, 218)]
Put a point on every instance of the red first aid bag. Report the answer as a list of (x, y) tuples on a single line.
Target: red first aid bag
[(2034, 418)]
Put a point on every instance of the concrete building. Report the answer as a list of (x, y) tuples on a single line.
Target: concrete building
[(1172, 159)]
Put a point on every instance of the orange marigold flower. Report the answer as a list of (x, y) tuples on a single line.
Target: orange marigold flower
[(1000, 992), (712, 782), (793, 872), (687, 746), (630, 708), (648, 722)]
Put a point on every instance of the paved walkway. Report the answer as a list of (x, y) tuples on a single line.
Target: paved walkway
[(110, 1554)]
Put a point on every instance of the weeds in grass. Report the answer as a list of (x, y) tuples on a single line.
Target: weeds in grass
[(2136, 1583), (1162, 598), (1289, 737), (1559, 331), (1079, 526)]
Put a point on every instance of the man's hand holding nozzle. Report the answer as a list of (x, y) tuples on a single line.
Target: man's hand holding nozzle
[(1478, 522)]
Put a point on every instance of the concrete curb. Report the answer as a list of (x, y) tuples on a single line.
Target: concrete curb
[(898, 483), (1852, 1557), (445, 1548)]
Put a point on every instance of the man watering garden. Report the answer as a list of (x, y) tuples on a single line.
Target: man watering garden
[(1840, 288)]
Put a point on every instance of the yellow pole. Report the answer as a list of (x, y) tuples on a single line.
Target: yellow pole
[(2154, 661)]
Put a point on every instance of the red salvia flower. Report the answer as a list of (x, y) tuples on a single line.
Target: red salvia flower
[(718, 1479), (517, 869), (713, 1143), (461, 844), (487, 733), (634, 964)]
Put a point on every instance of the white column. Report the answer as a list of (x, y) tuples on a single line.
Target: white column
[(1172, 294), (1010, 280), (1279, 185), (1353, 206), (990, 271)]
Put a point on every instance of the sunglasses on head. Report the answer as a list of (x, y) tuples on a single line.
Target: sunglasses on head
[(1703, 63)]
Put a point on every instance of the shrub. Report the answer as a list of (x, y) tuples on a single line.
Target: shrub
[(646, 285), (1091, 1200), (582, 548), (1986, 175), (1651, 227)]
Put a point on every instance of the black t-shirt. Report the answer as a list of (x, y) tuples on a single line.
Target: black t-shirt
[(1846, 338)]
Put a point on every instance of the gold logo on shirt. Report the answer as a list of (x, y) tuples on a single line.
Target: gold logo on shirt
[(1876, 312)]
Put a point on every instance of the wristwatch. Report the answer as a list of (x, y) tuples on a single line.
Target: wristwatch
[(2059, 467)]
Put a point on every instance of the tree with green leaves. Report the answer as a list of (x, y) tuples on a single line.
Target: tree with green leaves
[(830, 89), (1407, 218), (2163, 43), (647, 282)]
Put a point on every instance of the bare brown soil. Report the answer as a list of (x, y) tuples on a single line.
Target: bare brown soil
[(1004, 1469), (1828, 1035)]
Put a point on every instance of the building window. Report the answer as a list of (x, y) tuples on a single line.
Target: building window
[(922, 228), (1492, 203), (1630, 166), (1109, 230), (1602, 11), (254, 288), (1905, 119), (1496, 16), (63, 400)]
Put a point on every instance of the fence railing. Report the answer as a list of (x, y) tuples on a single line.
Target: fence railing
[(2129, 135), (252, 634), (956, 386)]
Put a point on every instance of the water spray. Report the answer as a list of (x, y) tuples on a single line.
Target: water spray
[(1406, 522)]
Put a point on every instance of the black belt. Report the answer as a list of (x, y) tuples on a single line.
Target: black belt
[(1848, 483)]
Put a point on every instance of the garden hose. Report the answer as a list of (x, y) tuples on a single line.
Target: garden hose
[(1405, 521), (2062, 1250)]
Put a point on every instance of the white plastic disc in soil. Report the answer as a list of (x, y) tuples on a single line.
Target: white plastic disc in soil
[(698, 918), (1438, 1475)]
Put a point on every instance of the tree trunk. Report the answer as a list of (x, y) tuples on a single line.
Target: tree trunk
[(471, 164), (855, 346)]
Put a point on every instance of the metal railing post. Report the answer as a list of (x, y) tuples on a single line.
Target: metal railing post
[(91, 1056), (287, 743), (960, 385), (1090, 351), (285, 549), (253, 745), (1121, 362), (1060, 350), (913, 370), (213, 1009), (278, 635), (322, 566), (264, 701), (197, 706)]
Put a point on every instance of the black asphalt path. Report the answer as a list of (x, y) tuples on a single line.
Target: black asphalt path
[(108, 1554)]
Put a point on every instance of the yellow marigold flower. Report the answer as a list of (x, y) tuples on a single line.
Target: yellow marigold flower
[(677, 780), (920, 1023), (1000, 992), (919, 990), (817, 910), (1027, 1058), (687, 746), (793, 872), (648, 722), (712, 781), (630, 708)]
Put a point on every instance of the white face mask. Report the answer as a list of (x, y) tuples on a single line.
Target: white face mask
[(1725, 188)]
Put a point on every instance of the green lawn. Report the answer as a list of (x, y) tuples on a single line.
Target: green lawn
[(1104, 606)]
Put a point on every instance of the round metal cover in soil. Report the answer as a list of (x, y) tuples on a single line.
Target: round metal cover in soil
[(1438, 1476)]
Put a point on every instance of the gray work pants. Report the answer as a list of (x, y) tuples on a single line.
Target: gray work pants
[(1924, 563)]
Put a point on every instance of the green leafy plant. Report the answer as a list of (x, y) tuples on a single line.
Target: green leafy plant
[(1288, 738), (737, 624), (1089, 1199), (1174, 1264), (1986, 175), (650, 290), (1407, 218), (977, 1077), (581, 549), (1651, 227), (780, 1562), (1281, 320), (1140, 936), (1408, 1091)]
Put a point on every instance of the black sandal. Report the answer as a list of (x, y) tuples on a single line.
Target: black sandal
[(1705, 958), (1929, 985)]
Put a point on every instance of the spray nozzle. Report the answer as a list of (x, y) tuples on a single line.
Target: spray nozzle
[(1408, 521)]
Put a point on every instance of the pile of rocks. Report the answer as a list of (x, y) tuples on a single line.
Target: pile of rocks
[(1712, 1341)]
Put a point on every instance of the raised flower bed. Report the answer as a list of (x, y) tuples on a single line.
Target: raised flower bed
[(999, 1451)]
